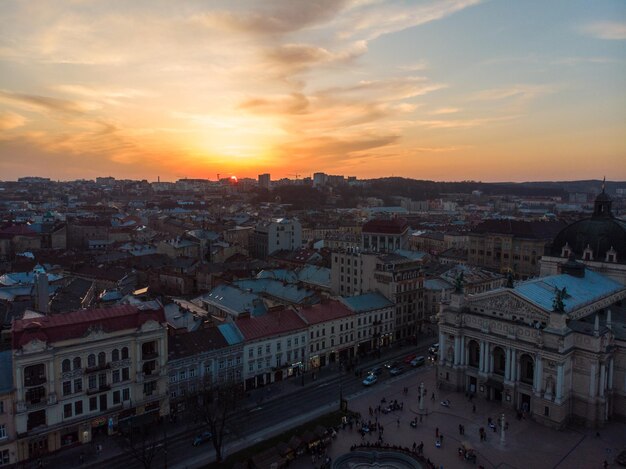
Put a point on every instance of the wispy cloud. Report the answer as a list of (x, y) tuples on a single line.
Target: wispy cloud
[(445, 110), (611, 30), (518, 91), (11, 120), (34, 102)]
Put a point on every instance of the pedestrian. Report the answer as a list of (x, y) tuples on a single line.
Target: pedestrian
[(433, 396), (414, 446), (605, 464), (460, 430), (441, 438)]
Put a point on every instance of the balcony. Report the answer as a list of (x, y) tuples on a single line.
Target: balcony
[(37, 380), (149, 355), (101, 367)]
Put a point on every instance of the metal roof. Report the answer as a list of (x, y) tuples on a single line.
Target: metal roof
[(366, 302), (580, 290)]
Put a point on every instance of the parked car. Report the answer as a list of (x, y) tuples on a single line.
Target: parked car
[(418, 361), (409, 358), (433, 349), (202, 438), (398, 370), (377, 370), (369, 380), (390, 365)]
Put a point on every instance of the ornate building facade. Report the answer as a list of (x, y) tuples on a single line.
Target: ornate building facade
[(552, 347)]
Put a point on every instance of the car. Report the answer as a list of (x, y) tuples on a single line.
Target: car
[(390, 365), (418, 361), (398, 370), (202, 438), (377, 370), (409, 358), (369, 380), (433, 349)]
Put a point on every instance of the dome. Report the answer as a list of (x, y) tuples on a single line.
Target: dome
[(592, 238)]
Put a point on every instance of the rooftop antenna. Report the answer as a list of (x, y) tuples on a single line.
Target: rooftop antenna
[(603, 183)]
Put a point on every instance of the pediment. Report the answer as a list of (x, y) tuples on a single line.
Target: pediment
[(34, 345), (507, 303), (150, 325), (95, 332)]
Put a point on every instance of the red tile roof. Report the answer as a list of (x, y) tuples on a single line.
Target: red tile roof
[(17, 230), (272, 323), (322, 312), (57, 327)]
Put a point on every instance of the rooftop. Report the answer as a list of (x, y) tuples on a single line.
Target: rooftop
[(271, 324), (366, 302), (326, 311)]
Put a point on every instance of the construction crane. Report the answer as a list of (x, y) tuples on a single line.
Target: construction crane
[(218, 176), (296, 175)]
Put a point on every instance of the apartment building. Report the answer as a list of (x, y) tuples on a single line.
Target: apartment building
[(276, 235), (84, 373)]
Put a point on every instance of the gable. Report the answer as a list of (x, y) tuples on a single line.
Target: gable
[(506, 305)]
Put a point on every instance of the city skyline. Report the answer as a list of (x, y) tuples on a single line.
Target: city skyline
[(454, 90)]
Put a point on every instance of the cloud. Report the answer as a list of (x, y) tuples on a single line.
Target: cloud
[(34, 102), (445, 110), (519, 91), (296, 103), (388, 89), (464, 123), (611, 30), (274, 18), (11, 120)]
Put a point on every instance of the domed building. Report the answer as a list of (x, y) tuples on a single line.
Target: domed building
[(598, 242)]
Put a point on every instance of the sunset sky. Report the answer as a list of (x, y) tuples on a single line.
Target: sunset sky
[(443, 90)]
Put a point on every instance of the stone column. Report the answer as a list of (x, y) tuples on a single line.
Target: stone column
[(610, 385), (442, 348), (463, 358), (513, 376), (491, 359), (602, 379), (481, 357), (457, 350), (592, 380), (560, 374), (538, 375)]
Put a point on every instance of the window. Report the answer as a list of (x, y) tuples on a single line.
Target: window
[(115, 355), (124, 353), (173, 395), (102, 380), (93, 404), (259, 351), (65, 365), (115, 376), (250, 367), (222, 364), (91, 360), (78, 408), (295, 341), (3, 431), (92, 381), (278, 346), (546, 411), (116, 397), (67, 411), (77, 363), (1, 407), (126, 394), (149, 388), (182, 375), (4, 457), (67, 388), (238, 361), (268, 348), (311, 334), (125, 374), (102, 359), (192, 372), (250, 353), (288, 343)]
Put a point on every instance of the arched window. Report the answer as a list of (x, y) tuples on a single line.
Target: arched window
[(77, 363), (115, 355), (499, 361), (124, 353), (102, 359), (91, 360), (527, 369), (474, 354), (66, 365)]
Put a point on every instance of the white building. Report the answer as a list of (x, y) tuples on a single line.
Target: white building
[(280, 234)]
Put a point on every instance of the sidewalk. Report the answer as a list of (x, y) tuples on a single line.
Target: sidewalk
[(281, 390)]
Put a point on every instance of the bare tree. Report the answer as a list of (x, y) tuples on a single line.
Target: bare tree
[(217, 403), (144, 443)]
